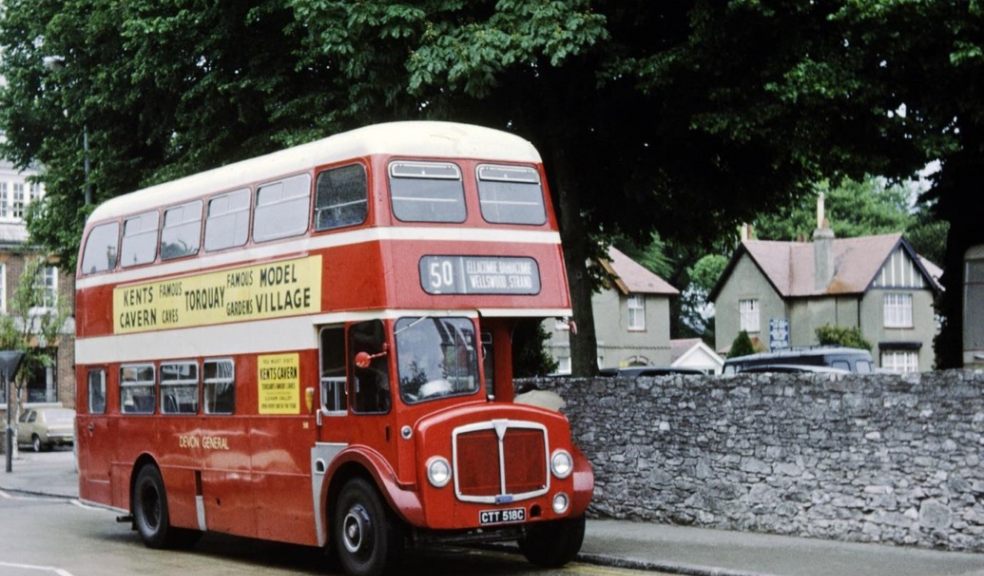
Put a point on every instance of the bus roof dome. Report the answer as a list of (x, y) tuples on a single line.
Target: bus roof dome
[(412, 138)]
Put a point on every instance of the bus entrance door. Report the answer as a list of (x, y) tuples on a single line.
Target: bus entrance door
[(94, 441)]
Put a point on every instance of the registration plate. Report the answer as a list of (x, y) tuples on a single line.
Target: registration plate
[(504, 516)]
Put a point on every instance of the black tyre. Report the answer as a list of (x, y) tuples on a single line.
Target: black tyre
[(368, 538), (36, 444), (553, 544), (150, 514)]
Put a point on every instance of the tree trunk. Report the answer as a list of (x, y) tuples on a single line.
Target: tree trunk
[(573, 233), (959, 191)]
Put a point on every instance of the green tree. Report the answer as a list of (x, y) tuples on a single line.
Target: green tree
[(741, 346), (529, 355), (829, 335), (852, 209), (682, 117), (30, 324), (694, 313)]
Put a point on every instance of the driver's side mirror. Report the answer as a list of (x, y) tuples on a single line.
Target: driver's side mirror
[(364, 359)]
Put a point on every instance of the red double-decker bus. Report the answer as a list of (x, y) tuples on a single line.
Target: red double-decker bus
[(314, 346)]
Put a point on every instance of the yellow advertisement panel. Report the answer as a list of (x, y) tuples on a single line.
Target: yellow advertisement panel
[(270, 290), (279, 383)]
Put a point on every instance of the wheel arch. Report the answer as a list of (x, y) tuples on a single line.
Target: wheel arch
[(363, 462), (141, 461)]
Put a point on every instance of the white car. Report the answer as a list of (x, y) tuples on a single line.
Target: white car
[(44, 427)]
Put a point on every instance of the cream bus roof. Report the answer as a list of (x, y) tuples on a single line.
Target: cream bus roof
[(423, 138)]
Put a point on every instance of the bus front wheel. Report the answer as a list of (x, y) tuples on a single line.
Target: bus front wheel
[(367, 538), (150, 514), (553, 544)]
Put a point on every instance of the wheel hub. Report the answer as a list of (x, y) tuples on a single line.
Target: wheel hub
[(357, 530)]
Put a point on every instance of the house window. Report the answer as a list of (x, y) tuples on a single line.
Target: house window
[(901, 361), (42, 385), (637, 313), (564, 365), (4, 201), (898, 310), (47, 284), (748, 311), (18, 200)]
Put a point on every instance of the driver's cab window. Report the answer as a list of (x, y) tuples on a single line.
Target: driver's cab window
[(370, 385), (333, 399)]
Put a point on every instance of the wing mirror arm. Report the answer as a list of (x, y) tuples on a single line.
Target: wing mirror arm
[(364, 359)]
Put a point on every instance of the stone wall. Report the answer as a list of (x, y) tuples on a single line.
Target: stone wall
[(876, 458)]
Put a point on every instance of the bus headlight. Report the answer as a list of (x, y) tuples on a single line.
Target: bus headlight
[(438, 472), (560, 503), (561, 464)]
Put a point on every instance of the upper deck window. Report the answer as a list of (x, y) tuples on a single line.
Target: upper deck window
[(427, 192), (182, 230), (228, 220), (140, 239), (282, 208), (342, 199), (511, 195), (100, 248)]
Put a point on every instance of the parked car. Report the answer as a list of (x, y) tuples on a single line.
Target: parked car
[(637, 371), (44, 427), (795, 369), (845, 359)]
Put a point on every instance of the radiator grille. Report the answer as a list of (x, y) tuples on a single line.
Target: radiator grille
[(500, 461)]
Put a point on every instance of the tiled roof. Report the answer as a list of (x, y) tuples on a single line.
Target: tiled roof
[(789, 266), (631, 278)]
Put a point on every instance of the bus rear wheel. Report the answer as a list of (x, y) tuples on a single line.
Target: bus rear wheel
[(367, 538), (553, 544), (150, 514)]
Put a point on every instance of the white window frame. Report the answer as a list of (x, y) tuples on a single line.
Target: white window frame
[(749, 315), (4, 200), (564, 365), (19, 204), (49, 300), (900, 361), (897, 310), (636, 306)]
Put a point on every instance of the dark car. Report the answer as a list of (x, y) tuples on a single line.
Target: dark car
[(794, 369), (845, 359), (638, 371)]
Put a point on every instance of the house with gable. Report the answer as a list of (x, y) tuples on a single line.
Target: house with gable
[(631, 318), (876, 283)]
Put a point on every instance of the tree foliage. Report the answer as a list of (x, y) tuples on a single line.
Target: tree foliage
[(682, 117), (31, 323), (859, 208), (528, 349), (851, 337), (741, 346)]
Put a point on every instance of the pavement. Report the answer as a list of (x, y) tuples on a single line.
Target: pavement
[(639, 545)]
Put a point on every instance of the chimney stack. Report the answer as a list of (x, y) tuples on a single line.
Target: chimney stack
[(823, 250)]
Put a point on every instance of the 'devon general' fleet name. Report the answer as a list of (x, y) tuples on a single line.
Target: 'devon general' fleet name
[(269, 290)]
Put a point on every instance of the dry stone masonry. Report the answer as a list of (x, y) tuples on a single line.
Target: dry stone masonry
[(873, 458)]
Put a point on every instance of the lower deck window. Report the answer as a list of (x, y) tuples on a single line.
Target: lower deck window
[(220, 386), (179, 388), (137, 389)]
